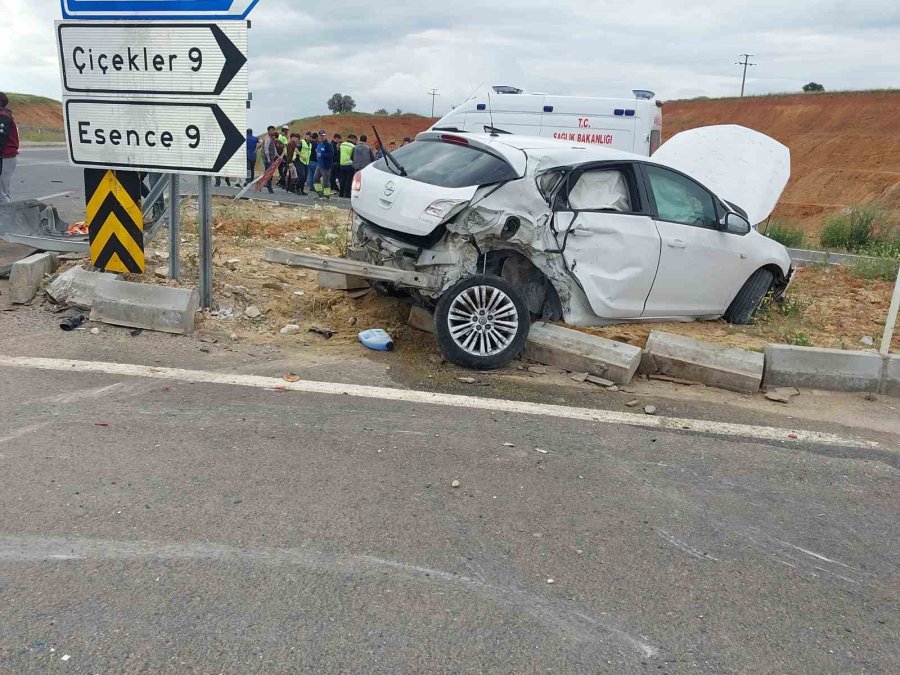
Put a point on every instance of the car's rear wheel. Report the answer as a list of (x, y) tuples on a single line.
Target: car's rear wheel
[(481, 322), (748, 299)]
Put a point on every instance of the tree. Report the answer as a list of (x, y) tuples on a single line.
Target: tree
[(397, 112), (380, 111), (813, 86), (340, 103)]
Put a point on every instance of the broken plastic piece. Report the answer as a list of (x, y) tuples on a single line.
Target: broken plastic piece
[(377, 339), (71, 322)]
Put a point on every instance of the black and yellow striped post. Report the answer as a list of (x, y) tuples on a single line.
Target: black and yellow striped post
[(115, 222)]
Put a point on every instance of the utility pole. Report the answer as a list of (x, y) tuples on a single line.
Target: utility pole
[(433, 94), (745, 63)]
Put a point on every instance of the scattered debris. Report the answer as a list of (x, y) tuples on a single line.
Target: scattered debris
[(612, 388), (782, 394), (674, 380), (868, 341), (454, 484), (466, 380), (232, 263), (632, 404), (135, 332), (274, 285), (599, 381), (299, 293), (291, 377), (253, 312), (509, 445), (290, 329), (356, 295), (551, 581), (579, 377), (649, 409), (541, 450), (95, 331), (324, 332), (161, 272), (377, 339), (538, 370), (71, 322)]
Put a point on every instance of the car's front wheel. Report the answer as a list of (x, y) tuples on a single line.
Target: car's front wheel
[(741, 309), (481, 322)]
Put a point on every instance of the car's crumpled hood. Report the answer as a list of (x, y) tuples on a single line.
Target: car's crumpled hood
[(739, 165)]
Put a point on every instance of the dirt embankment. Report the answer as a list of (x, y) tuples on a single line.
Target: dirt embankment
[(36, 111), (845, 147), (390, 127)]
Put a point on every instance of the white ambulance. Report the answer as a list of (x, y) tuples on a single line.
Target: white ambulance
[(629, 124)]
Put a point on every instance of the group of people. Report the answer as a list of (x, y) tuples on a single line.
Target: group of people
[(310, 161)]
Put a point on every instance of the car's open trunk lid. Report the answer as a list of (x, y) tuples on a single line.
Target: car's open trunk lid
[(740, 165)]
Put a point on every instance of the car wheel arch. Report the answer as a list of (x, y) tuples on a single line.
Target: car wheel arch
[(538, 288)]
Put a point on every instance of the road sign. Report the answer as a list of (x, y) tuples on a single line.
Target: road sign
[(200, 137), (187, 10), (153, 58), (115, 223)]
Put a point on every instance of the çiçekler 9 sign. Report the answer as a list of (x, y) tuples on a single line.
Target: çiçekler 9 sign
[(171, 10)]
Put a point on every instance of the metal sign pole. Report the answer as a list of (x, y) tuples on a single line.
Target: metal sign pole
[(891, 319), (204, 225), (174, 227)]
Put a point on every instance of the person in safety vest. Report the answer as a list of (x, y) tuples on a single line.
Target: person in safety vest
[(324, 165), (301, 161), (312, 139), (346, 165), (9, 149), (283, 138)]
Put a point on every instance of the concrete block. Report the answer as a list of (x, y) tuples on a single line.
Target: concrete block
[(124, 303), (75, 287), (341, 282), (582, 353), (421, 318), (816, 368), (892, 381), (689, 359), (26, 275)]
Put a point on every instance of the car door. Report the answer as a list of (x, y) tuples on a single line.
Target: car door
[(700, 264), (609, 241)]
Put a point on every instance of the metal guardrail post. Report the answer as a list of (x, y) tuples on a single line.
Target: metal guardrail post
[(174, 227), (204, 225), (156, 193), (891, 322)]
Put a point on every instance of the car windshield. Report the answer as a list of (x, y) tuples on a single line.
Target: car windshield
[(450, 165)]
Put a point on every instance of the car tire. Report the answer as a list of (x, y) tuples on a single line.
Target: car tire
[(481, 322), (747, 301)]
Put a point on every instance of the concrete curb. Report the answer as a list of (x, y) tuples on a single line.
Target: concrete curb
[(817, 368), (26, 275), (582, 353), (124, 303), (689, 359), (76, 287), (802, 256)]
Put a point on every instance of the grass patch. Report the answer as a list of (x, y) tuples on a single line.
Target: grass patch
[(786, 234), (34, 135), (876, 268), (856, 229)]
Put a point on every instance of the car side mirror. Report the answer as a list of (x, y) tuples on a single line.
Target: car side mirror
[(736, 223)]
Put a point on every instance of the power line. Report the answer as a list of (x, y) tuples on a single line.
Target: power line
[(433, 94), (745, 63)]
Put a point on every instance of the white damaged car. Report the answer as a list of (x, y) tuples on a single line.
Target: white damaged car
[(515, 227)]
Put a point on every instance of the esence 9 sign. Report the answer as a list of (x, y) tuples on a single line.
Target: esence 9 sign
[(158, 135)]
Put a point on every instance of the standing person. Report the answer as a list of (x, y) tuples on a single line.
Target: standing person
[(324, 165), (336, 147), (313, 139), (392, 146), (219, 181), (252, 143), (346, 165), (362, 156), (292, 175), (270, 152), (285, 160), (9, 149), (303, 155), (406, 141)]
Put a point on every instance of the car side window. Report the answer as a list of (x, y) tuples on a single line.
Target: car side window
[(601, 190), (681, 200)]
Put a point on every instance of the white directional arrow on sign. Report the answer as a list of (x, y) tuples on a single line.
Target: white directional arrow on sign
[(202, 137), (153, 58)]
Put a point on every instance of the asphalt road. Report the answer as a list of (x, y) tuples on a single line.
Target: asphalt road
[(44, 172), (176, 525)]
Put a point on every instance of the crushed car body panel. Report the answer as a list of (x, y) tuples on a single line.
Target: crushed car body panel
[(742, 166)]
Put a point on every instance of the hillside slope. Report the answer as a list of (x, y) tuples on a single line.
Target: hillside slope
[(390, 127), (38, 118), (845, 147)]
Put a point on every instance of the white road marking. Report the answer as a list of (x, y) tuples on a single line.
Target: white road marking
[(55, 194), (556, 613), (453, 400), (23, 431)]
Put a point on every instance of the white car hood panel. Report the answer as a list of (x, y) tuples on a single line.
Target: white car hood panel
[(739, 165)]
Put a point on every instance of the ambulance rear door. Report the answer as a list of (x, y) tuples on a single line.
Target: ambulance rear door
[(511, 113), (594, 121)]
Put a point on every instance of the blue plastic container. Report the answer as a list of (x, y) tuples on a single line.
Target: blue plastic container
[(376, 339)]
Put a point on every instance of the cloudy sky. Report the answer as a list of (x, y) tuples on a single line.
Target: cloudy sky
[(390, 54)]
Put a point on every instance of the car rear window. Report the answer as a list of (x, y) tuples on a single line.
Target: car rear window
[(450, 165)]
